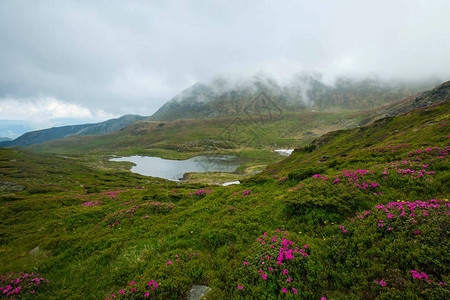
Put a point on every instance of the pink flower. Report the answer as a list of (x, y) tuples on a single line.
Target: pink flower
[(240, 287), (264, 276), (294, 290), (306, 246), (147, 294), (245, 263), (285, 272), (122, 291), (284, 290)]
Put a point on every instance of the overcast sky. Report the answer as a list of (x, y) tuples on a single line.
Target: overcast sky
[(93, 60)]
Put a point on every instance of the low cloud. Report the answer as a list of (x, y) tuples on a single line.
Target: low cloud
[(132, 56), (44, 112)]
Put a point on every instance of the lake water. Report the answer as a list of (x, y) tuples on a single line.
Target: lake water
[(174, 169)]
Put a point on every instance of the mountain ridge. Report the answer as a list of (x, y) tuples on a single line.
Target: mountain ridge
[(44, 135), (221, 97)]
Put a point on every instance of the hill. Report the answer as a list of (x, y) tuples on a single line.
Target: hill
[(253, 136), (358, 213), (5, 139), (262, 94), (40, 136)]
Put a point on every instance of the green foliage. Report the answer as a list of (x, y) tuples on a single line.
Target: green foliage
[(331, 199)]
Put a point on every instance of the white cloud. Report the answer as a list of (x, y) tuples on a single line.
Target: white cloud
[(44, 112), (132, 56)]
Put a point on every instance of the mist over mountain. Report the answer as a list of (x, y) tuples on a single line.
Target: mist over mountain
[(226, 96)]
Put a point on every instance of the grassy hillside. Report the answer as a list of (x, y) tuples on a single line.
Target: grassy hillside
[(191, 136), (360, 213), (43, 135), (224, 98)]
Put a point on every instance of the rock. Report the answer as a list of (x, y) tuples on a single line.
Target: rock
[(7, 186), (35, 251), (198, 292)]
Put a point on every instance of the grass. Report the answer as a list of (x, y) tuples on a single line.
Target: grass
[(145, 229)]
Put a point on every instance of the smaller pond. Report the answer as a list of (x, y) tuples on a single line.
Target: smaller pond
[(174, 169)]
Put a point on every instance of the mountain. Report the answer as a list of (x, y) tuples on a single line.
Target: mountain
[(439, 94), (361, 213), (40, 136), (261, 94), (243, 135), (5, 139)]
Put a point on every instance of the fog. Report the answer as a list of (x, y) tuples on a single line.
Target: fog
[(101, 59)]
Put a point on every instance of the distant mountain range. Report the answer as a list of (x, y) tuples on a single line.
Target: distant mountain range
[(225, 98), (40, 136), (260, 94), (5, 139)]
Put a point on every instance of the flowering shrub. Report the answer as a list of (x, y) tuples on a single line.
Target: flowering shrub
[(159, 206), (117, 217), (20, 285), (128, 214), (415, 234), (200, 193), (91, 203), (275, 267), (137, 290), (182, 257), (243, 193), (230, 210)]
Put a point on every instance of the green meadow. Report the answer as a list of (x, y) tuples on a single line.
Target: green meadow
[(357, 213)]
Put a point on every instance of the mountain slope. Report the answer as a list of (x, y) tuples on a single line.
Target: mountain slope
[(40, 136), (264, 131), (358, 214), (438, 94), (222, 98)]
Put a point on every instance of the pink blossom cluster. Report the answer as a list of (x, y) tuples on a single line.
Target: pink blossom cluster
[(276, 256), (243, 193), (182, 258), (281, 179), (20, 284), (418, 275), (297, 187), (201, 192), (430, 152), (381, 282), (323, 177), (407, 168), (231, 210), (133, 292), (354, 177), (91, 203)]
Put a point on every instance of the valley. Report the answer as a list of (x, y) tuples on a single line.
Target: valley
[(353, 212)]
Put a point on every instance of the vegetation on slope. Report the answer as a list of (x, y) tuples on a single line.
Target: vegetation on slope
[(41, 136), (224, 98), (360, 213)]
